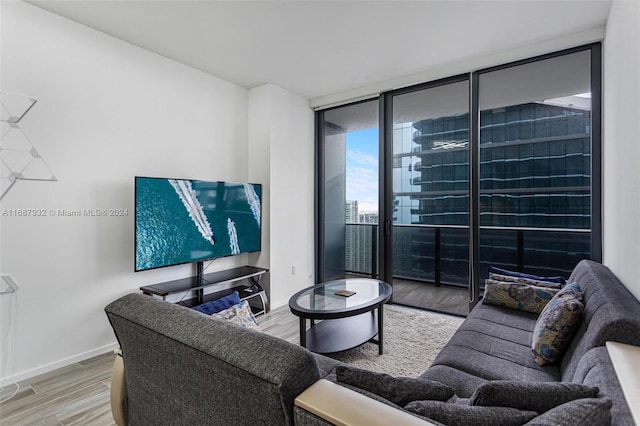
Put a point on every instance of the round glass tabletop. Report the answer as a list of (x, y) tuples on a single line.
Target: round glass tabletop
[(345, 295)]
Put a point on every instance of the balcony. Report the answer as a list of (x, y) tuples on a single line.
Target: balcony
[(437, 256)]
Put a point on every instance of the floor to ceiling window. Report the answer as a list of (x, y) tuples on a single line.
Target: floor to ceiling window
[(496, 167), (535, 165)]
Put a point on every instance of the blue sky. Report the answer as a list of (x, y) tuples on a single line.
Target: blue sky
[(362, 169)]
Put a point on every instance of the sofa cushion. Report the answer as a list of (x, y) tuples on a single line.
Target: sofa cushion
[(533, 396), (463, 383), (457, 414), (399, 390), (239, 314), (588, 411), (493, 343), (557, 324), (557, 279), (512, 295), (455, 399), (219, 305), (371, 395)]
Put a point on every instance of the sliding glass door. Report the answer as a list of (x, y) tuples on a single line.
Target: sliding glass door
[(500, 167), (430, 195)]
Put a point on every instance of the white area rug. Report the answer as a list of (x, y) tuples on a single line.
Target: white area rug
[(412, 339)]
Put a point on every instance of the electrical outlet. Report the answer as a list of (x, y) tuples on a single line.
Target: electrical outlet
[(293, 269)]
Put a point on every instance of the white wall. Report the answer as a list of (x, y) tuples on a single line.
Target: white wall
[(621, 147), (259, 161), (281, 154), (106, 111)]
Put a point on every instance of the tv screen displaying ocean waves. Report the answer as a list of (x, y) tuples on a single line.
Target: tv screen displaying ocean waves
[(179, 221)]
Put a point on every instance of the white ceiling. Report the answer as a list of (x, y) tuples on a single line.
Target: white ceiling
[(318, 48)]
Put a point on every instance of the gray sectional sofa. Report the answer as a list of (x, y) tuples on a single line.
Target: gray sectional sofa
[(494, 343), (181, 367)]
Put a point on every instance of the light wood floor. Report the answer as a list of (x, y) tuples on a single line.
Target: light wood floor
[(79, 393), (74, 395)]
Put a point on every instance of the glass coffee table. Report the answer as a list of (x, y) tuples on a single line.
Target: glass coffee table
[(347, 309)]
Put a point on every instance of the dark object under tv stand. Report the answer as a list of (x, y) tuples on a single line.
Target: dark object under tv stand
[(252, 293)]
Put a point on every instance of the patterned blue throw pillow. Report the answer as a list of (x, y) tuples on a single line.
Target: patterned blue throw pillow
[(219, 305), (557, 324), (523, 280), (239, 314), (501, 271), (527, 298)]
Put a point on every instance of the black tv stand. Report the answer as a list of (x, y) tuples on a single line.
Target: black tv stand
[(253, 293), (200, 272)]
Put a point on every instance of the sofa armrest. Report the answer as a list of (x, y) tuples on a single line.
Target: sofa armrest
[(118, 392), (342, 406), (626, 363)]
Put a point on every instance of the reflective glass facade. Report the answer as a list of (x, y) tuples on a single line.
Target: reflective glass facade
[(535, 173)]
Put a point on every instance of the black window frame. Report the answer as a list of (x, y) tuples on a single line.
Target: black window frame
[(386, 166)]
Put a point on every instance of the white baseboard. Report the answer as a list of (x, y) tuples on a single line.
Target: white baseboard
[(6, 381)]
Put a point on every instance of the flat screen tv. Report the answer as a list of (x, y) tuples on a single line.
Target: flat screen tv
[(180, 221)]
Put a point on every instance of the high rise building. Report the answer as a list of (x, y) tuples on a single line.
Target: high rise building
[(351, 211), (358, 238), (368, 218), (534, 168), (535, 174)]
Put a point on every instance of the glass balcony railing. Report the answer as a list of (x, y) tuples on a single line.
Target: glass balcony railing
[(439, 254)]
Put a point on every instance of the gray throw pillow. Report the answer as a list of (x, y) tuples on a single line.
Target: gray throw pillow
[(534, 396), (399, 390), (371, 395), (456, 414), (590, 411)]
